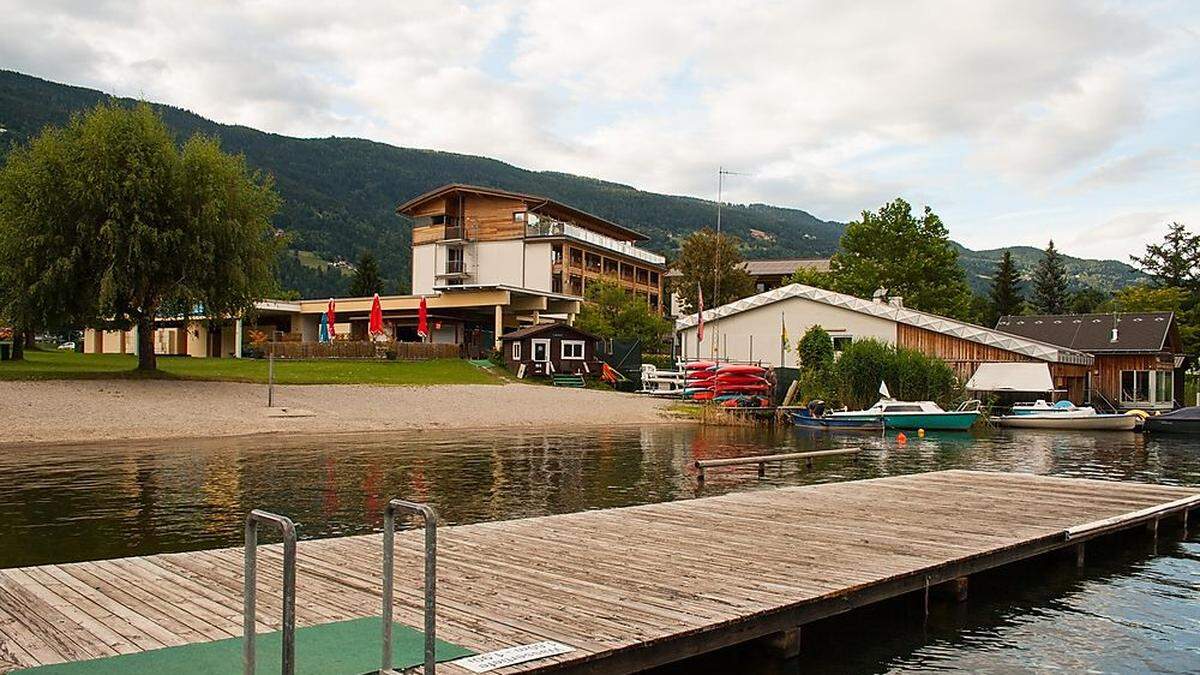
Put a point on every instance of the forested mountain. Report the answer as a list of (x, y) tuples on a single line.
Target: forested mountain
[(1105, 275), (339, 194)]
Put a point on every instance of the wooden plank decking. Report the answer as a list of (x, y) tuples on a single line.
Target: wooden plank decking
[(628, 588)]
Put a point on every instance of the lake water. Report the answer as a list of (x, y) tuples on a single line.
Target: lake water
[(1132, 609)]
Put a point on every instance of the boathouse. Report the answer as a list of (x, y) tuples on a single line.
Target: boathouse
[(1139, 361), (754, 329), (550, 348)]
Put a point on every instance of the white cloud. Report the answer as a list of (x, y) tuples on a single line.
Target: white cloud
[(979, 108)]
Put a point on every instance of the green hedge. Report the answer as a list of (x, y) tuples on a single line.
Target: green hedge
[(910, 375)]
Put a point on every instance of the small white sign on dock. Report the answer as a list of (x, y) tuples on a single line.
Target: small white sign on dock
[(511, 656)]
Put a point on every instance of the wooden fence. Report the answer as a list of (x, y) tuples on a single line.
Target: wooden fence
[(362, 349)]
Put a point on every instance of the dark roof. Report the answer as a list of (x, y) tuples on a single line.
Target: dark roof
[(527, 331), (784, 266), (1092, 333), (633, 235)]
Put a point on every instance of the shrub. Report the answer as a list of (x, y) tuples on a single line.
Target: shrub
[(910, 375), (816, 350)]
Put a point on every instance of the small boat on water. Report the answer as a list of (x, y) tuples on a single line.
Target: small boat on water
[(814, 417), (1064, 415), (912, 415), (1182, 421)]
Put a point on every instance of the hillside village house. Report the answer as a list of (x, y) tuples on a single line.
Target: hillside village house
[(1139, 360), (487, 262), (751, 329)]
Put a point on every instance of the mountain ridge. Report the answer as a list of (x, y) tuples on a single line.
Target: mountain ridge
[(339, 195)]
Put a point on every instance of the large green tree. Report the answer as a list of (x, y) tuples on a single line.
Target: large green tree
[(609, 311), (108, 222), (366, 281), (907, 255), (1006, 295), (714, 263), (1050, 283), (1174, 262)]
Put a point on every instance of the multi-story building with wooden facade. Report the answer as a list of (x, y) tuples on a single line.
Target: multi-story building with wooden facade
[(465, 235)]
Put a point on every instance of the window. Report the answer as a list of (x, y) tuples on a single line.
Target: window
[(541, 350), (439, 219), (1164, 386), (1146, 387), (1135, 386), (840, 342), (516, 351), (572, 349), (518, 216)]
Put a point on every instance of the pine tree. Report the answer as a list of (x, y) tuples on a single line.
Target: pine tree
[(367, 281), (1176, 261), (1006, 294), (1050, 283)]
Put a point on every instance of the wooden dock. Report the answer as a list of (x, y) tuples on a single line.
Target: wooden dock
[(628, 588)]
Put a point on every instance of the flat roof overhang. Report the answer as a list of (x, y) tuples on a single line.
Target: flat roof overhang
[(455, 297)]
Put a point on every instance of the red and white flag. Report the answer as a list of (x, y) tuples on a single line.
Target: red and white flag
[(700, 327)]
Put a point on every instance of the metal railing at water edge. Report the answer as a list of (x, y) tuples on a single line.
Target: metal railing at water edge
[(288, 529), (389, 538)]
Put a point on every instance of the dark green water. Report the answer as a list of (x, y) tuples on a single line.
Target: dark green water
[(1133, 609)]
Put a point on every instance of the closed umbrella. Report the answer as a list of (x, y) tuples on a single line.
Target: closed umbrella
[(323, 335), (331, 314), (423, 320), (375, 327)]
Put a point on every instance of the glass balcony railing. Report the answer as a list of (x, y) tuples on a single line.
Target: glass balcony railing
[(546, 227)]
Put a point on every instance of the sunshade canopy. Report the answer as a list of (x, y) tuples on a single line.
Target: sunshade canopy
[(1025, 377)]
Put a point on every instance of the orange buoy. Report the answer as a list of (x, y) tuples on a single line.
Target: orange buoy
[(901, 438)]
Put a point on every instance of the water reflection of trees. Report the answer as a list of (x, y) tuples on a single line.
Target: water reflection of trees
[(106, 500)]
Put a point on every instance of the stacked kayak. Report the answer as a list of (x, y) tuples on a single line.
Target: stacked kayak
[(698, 380), (743, 383)]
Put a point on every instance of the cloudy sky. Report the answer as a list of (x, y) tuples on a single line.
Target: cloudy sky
[(1016, 121)]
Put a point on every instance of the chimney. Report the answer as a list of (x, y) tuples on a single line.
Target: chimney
[(896, 301), (879, 296), (1114, 335)]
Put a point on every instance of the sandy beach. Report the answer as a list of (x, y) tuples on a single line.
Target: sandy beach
[(70, 411)]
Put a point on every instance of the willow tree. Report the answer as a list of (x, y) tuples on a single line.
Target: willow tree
[(107, 222)]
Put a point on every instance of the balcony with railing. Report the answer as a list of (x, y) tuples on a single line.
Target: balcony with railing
[(548, 227), (453, 268)]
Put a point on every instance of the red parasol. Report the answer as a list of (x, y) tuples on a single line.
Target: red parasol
[(331, 313), (375, 327), (423, 320)]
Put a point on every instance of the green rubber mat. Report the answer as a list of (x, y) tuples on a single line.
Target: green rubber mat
[(343, 648)]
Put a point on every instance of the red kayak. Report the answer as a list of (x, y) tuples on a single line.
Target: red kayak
[(740, 379), (742, 389), (702, 396), (698, 365), (747, 370)]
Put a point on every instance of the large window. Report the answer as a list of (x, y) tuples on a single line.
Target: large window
[(1145, 387), (572, 350)]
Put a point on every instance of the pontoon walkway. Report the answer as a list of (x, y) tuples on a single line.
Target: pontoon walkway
[(628, 588)]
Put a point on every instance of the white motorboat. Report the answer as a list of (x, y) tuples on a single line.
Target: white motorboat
[(1065, 415)]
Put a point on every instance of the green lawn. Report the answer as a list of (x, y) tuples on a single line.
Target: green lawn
[(39, 365)]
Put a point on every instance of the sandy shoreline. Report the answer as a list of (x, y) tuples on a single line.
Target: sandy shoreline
[(92, 410)]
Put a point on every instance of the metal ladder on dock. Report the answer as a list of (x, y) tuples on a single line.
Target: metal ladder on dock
[(288, 630)]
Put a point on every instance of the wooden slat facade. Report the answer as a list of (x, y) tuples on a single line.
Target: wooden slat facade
[(964, 356), (628, 588)]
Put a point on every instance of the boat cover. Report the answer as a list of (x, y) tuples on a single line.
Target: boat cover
[(1023, 377), (1188, 413)]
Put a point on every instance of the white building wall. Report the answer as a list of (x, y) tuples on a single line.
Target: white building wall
[(730, 337), (497, 262), (538, 262), (424, 267)]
